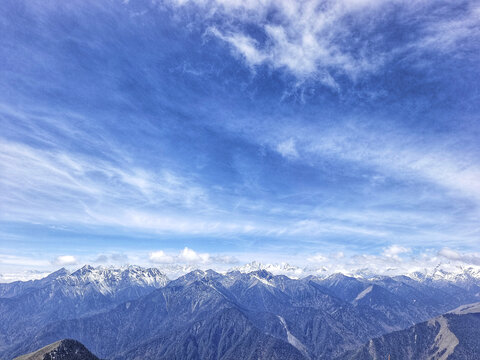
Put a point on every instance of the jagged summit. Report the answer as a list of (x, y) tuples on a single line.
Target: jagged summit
[(59, 273), (441, 272), (276, 269), (111, 279), (446, 272), (66, 349), (207, 314)]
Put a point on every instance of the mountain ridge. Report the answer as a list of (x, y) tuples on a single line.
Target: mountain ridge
[(66, 349), (311, 317)]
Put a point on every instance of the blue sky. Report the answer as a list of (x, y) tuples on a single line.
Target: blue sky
[(222, 131)]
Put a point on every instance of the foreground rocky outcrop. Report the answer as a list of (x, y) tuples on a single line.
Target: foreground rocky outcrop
[(67, 349)]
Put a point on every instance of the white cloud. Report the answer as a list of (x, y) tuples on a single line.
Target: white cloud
[(318, 258), (304, 39), (288, 149), (113, 258), (447, 35), (59, 174), (190, 255), (17, 260), (65, 260), (467, 258), (186, 260), (224, 259), (102, 193), (389, 150), (243, 45), (160, 257), (25, 275), (318, 39), (394, 251)]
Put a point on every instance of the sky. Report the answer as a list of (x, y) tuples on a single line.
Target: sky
[(216, 132)]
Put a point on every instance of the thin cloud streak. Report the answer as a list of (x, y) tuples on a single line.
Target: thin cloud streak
[(118, 201)]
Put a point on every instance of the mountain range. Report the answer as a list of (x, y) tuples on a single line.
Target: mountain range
[(26, 307), (136, 313)]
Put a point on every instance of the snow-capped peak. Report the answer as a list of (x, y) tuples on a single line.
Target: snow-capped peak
[(447, 272), (275, 269), (111, 279)]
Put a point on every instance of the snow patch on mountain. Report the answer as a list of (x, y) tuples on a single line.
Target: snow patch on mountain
[(257, 279), (362, 294)]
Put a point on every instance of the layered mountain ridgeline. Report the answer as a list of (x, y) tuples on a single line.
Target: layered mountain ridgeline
[(207, 315), (453, 336), (26, 307), (67, 349)]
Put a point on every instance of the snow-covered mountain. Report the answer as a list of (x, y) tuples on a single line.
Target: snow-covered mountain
[(104, 280), (27, 306), (447, 272), (441, 272), (292, 271), (112, 281), (133, 312), (207, 314)]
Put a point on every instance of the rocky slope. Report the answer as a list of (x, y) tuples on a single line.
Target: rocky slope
[(453, 336), (67, 349)]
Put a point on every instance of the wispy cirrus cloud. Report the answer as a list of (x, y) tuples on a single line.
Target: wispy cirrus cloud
[(322, 40), (23, 261), (305, 38), (52, 176), (104, 194), (352, 126), (447, 33), (390, 150)]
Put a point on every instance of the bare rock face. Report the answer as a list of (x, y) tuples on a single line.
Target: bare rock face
[(67, 349), (452, 336)]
